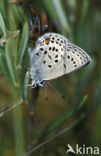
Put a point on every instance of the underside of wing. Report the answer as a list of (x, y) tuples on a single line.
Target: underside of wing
[(72, 59), (55, 56)]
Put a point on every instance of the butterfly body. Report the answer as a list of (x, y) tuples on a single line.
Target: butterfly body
[(53, 57)]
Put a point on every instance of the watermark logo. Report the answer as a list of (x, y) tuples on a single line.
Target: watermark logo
[(83, 150)]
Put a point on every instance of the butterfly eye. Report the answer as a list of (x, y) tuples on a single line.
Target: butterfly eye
[(47, 40)]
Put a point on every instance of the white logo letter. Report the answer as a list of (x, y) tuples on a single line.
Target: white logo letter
[(96, 150), (70, 149), (78, 149)]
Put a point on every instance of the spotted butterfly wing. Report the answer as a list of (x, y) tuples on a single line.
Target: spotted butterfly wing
[(55, 56)]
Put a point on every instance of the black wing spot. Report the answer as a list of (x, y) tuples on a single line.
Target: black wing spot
[(53, 38), (41, 49), (50, 48), (61, 55), (58, 39), (56, 50), (68, 49), (81, 58), (72, 59), (61, 41), (44, 62), (45, 52), (49, 66), (61, 49), (75, 66), (56, 56), (56, 61), (49, 57), (74, 62), (57, 42), (60, 45), (68, 57), (37, 54), (75, 49), (53, 48), (52, 41), (64, 65)]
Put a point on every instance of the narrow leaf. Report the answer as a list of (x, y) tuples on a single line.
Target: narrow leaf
[(24, 66), (2, 24), (19, 13), (2, 7), (11, 21), (50, 129), (10, 62), (23, 43), (4, 67), (61, 15), (25, 76)]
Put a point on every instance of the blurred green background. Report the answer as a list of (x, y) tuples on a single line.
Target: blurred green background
[(20, 128)]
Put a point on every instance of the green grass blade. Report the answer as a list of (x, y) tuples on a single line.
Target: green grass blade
[(23, 43), (11, 20), (61, 15), (51, 9), (19, 13), (50, 129), (11, 62), (18, 131), (2, 7), (57, 15), (24, 66), (80, 22), (2, 25), (4, 68), (25, 76)]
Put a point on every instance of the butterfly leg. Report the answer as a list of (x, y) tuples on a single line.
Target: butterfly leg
[(32, 85), (60, 94), (42, 84)]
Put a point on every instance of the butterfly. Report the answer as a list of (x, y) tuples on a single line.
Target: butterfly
[(54, 56)]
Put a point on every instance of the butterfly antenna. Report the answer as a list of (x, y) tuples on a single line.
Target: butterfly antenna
[(60, 94), (46, 95)]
